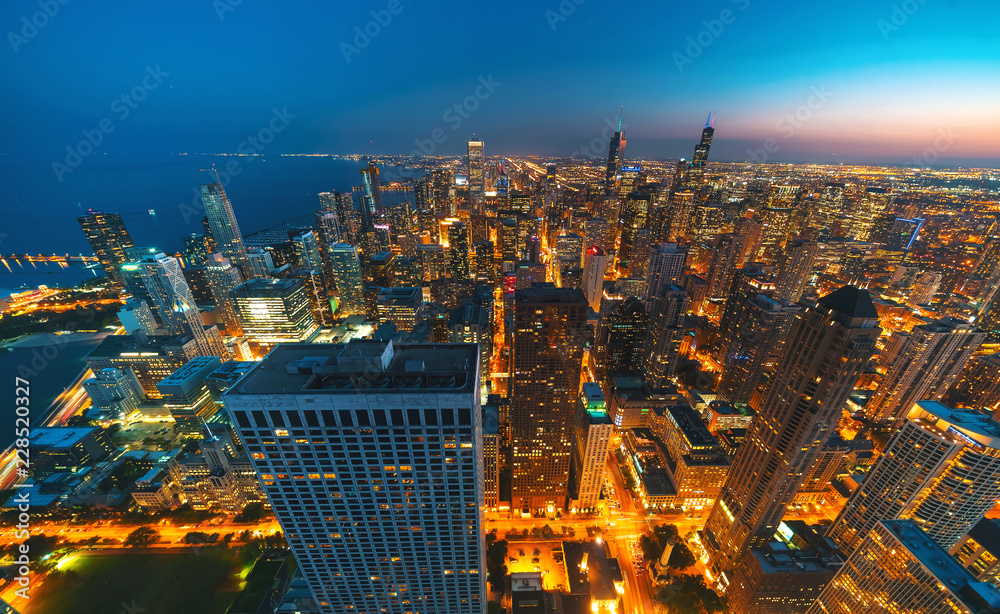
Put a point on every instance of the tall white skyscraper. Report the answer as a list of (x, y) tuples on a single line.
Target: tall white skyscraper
[(940, 470), (477, 185), (665, 267), (225, 230), (371, 455)]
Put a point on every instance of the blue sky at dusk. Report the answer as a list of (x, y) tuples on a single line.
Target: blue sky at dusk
[(889, 89)]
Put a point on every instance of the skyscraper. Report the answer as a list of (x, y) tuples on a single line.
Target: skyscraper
[(595, 265), (273, 311), (634, 215), (795, 270), (109, 239), (307, 251), (696, 171), (627, 326), (978, 385), (223, 277), (662, 346), (383, 511), (345, 268), (477, 180), (760, 328), (611, 174), (928, 363), (159, 279), (342, 204), (225, 229), (828, 349), (595, 233), (546, 358), (443, 191), (666, 264), (592, 442), (939, 470), (775, 224), (727, 252), (458, 251), (899, 569), (747, 283)]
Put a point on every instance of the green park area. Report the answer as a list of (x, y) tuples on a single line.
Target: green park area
[(203, 582)]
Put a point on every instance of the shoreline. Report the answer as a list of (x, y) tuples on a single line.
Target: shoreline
[(36, 340)]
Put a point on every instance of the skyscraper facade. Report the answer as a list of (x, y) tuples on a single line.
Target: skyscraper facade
[(592, 443), (345, 268), (666, 264), (477, 179), (273, 311), (940, 470), (594, 267), (547, 355), (626, 337), (726, 254), (761, 326), (696, 172), (225, 230), (159, 278), (897, 569), (795, 271), (828, 349), (371, 456), (662, 345), (223, 277), (109, 239), (612, 172), (928, 363)]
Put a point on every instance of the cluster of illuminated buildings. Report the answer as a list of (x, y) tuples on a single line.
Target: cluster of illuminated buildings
[(744, 338)]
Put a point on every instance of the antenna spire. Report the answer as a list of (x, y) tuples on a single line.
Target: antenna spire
[(620, 113)]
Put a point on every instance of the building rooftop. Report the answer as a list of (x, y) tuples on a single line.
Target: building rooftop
[(268, 286), (692, 427), (851, 301), (362, 365), (127, 345), (198, 368), (538, 293), (777, 557), (956, 425), (946, 569), (59, 437)]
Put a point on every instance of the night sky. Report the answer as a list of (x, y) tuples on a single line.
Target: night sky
[(884, 79)]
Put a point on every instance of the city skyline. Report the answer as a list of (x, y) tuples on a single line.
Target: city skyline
[(569, 307)]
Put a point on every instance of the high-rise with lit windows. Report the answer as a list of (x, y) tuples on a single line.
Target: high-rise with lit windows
[(225, 229), (940, 470), (273, 311), (929, 361), (159, 279), (547, 355), (828, 348), (109, 239), (898, 569), (592, 443), (371, 456), (477, 185)]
